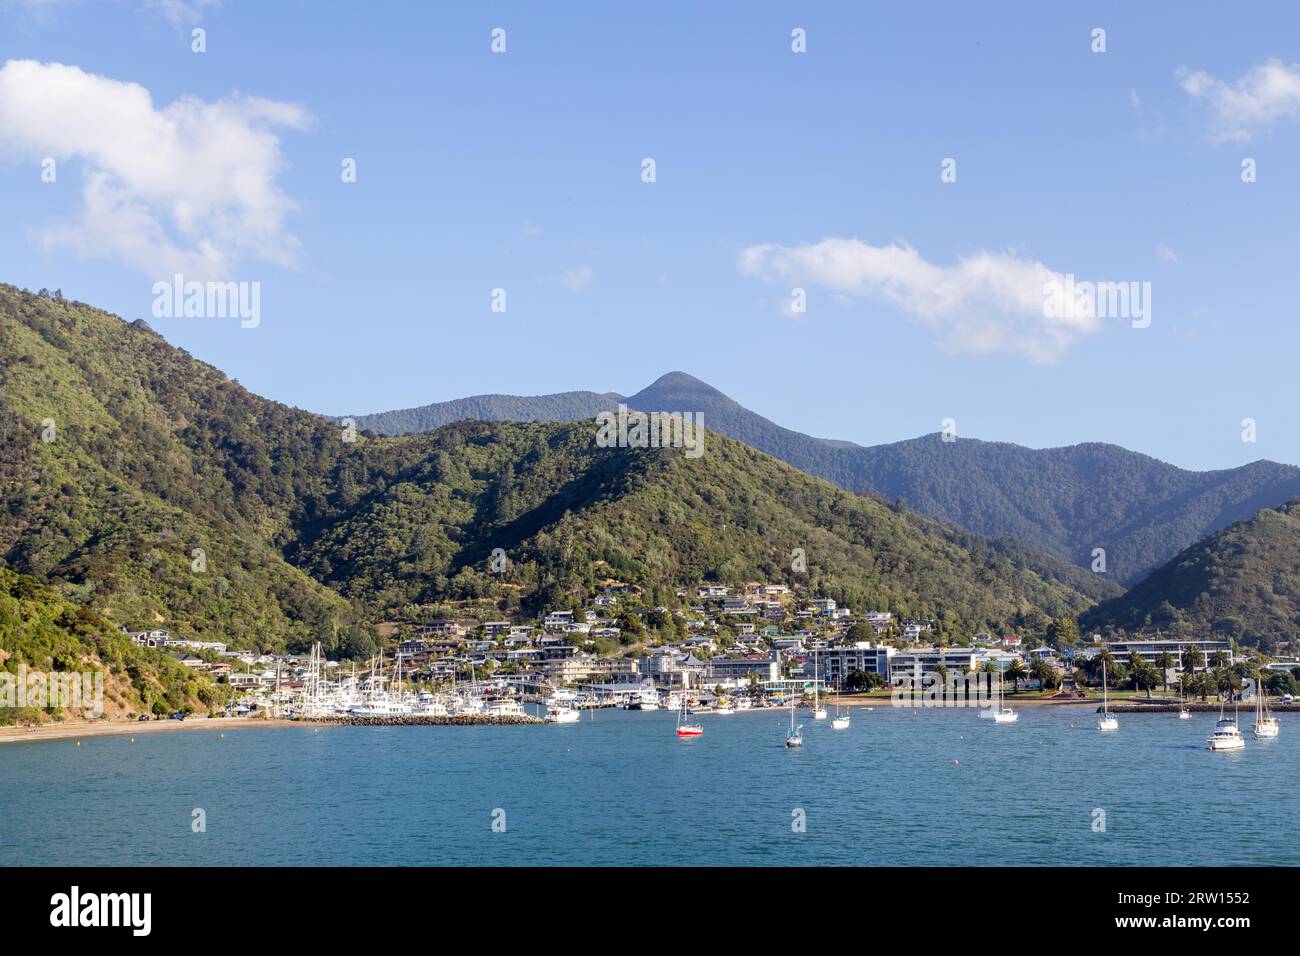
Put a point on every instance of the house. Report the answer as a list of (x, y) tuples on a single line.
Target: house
[(554, 620)]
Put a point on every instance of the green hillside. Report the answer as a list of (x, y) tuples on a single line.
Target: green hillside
[(306, 534), (1242, 583)]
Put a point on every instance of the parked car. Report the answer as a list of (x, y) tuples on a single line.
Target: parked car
[(178, 715), (143, 717)]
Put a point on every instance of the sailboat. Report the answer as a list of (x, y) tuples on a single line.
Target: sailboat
[(1227, 735), (818, 711), (841, 718), (1266, 725), (684, 727), (1108, 720), (1003, 714), (1183, 712), (795, 737)]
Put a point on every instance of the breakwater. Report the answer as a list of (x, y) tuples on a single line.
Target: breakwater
[(423, 720)]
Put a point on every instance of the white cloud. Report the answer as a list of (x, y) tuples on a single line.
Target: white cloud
[(987, 302), (1165, 254), (190, 187), (578, 279), (181, 13), (1265, 94)]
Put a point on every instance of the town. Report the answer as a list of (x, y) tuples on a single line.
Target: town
[(725, 648)]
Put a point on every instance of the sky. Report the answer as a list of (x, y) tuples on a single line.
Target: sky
[(925, 173)]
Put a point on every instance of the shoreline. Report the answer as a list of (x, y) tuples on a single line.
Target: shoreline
[(117, 728)]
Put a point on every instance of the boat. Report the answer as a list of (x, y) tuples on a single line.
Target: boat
[(841, 719), (818, 711), (795, 737), (1003, 714), (724, 709), (1227, 735), (1183, 712), (561, 715), (1266, 725), (1108, 720), (684, 727)]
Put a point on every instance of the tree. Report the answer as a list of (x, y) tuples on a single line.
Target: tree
[(1042, 672), (1166, 662), (941, 673), (1063, 632), (1193, 658), (1016, 672)]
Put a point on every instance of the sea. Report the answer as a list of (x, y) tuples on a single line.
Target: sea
[(926, 787)]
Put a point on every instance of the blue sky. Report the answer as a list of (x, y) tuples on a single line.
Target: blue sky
[(820, 170)]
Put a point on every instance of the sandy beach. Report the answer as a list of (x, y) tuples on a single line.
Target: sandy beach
[(77, 730)]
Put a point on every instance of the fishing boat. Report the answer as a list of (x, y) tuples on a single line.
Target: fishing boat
[(1266, 725), (1227, 735), (684, 727), (818, 711), (1108, 720), (841, 719), (795, 737)]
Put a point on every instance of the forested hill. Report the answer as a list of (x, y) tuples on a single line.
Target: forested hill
[(1242, 582), (1066, 501), (150, 488)]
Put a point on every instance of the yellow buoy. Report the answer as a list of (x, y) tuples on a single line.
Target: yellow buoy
[(78, 743)]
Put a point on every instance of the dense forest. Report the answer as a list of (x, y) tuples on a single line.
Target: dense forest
[(1241, 583)]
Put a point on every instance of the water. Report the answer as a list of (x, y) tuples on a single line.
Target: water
[(622, 789)]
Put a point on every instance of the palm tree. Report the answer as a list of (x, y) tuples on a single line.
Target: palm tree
[(1193, 658), (1166, 662), (941, 673), (1042, 672), (1186, 684), (1220, 659), (1205, 684), (1015, 673)]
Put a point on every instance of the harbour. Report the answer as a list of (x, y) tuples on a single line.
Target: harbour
[(623, 789)]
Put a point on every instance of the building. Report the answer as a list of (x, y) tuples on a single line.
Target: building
[(837, 663), (1149, 651), (739, 668), (927, 659)]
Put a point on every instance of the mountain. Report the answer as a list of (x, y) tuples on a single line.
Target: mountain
[(1064, 501), (1242, 582), (560, 407), (148, 487)]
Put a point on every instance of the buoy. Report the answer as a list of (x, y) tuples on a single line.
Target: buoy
[(956, 762), (221, 735), (132, 740), (78, 743)]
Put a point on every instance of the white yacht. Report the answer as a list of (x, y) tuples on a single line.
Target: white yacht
[(1227, 736), (561, 715), (1108, 720), (841, 719), (818, 711), (1266, 725), (1002, 714), (795, 737)]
